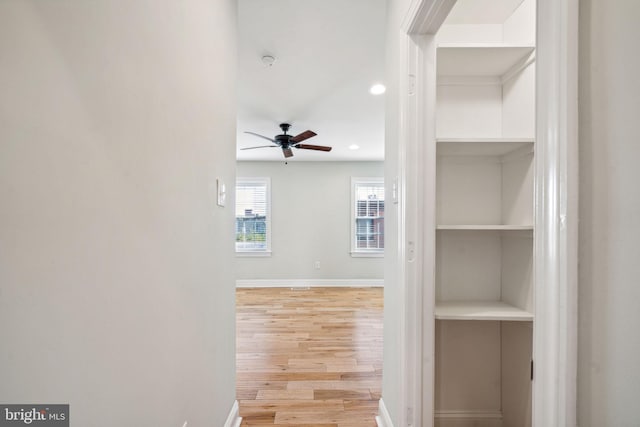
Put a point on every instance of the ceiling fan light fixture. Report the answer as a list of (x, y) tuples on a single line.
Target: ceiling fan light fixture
[(354, 147), (377, 89)]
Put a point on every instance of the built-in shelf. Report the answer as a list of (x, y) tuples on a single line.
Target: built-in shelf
[(485, 173), (480, 310), (490, 227), (481, 146), (481, 60)]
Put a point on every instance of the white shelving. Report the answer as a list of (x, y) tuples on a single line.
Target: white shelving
[(480, 310), (481, 59), (484, 189), (485, 184), (482, 146), (485, 92), (489, 227), (485, 265), (485, 148)]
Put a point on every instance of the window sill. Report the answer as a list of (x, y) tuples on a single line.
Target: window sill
[(367, 254), (253, 254)]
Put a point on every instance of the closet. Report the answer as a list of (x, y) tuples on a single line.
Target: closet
[(485, 147)]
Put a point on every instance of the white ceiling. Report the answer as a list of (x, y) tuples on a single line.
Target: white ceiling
[(328, 54)]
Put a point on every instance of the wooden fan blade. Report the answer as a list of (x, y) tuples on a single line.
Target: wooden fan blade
[(304, 135), (260, 146), (261, 136), (313, 147), (288, 152)]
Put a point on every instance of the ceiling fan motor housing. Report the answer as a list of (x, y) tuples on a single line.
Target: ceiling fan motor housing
[(283, 140)]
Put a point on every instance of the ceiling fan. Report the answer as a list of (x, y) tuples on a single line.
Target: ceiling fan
[(287, 142)]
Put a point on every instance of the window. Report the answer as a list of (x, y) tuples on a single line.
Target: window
[(367, 213), (253, 216)]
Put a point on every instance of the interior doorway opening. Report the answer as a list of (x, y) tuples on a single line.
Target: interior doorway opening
[(553, 270), (310, 208)]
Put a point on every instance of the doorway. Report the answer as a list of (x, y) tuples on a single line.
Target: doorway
[(308, 65), (554, 272)]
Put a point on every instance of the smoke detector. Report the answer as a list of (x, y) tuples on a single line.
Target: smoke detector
[(268, 60)]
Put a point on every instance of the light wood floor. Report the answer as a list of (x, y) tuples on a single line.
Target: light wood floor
[(309, 358)]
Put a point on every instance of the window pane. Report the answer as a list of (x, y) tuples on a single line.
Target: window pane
[(369, 210), (251, 216)]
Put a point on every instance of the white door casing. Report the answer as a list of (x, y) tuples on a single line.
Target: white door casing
[(555, 252)]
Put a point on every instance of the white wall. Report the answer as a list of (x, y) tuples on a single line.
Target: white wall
[(609, 285), (116, 286), (311, 211)]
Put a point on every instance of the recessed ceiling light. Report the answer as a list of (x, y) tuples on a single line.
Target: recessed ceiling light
[(354, 147), (377, 89)]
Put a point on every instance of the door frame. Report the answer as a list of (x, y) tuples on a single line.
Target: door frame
[(556, 210)]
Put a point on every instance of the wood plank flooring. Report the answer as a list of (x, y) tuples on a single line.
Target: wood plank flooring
[(309, 358)]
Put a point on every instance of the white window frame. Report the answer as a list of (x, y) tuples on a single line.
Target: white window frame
[(355, 251), (267, 183)]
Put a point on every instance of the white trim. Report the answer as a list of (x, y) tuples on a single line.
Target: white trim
[(416, 219), (383, 419), (309, 283), (555, 270), (234, 419), (370, 254), (426, 16), (253, 254), (421, 229)]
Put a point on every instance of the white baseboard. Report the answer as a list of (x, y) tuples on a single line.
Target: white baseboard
[(234, 420), (309, 283), (383, 419)]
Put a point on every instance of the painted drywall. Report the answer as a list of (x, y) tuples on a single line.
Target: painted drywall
[(609, 104), (311, 221), (116, 266)]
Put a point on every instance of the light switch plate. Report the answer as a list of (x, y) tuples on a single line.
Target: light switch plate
[(394, 191), (222, 192)]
